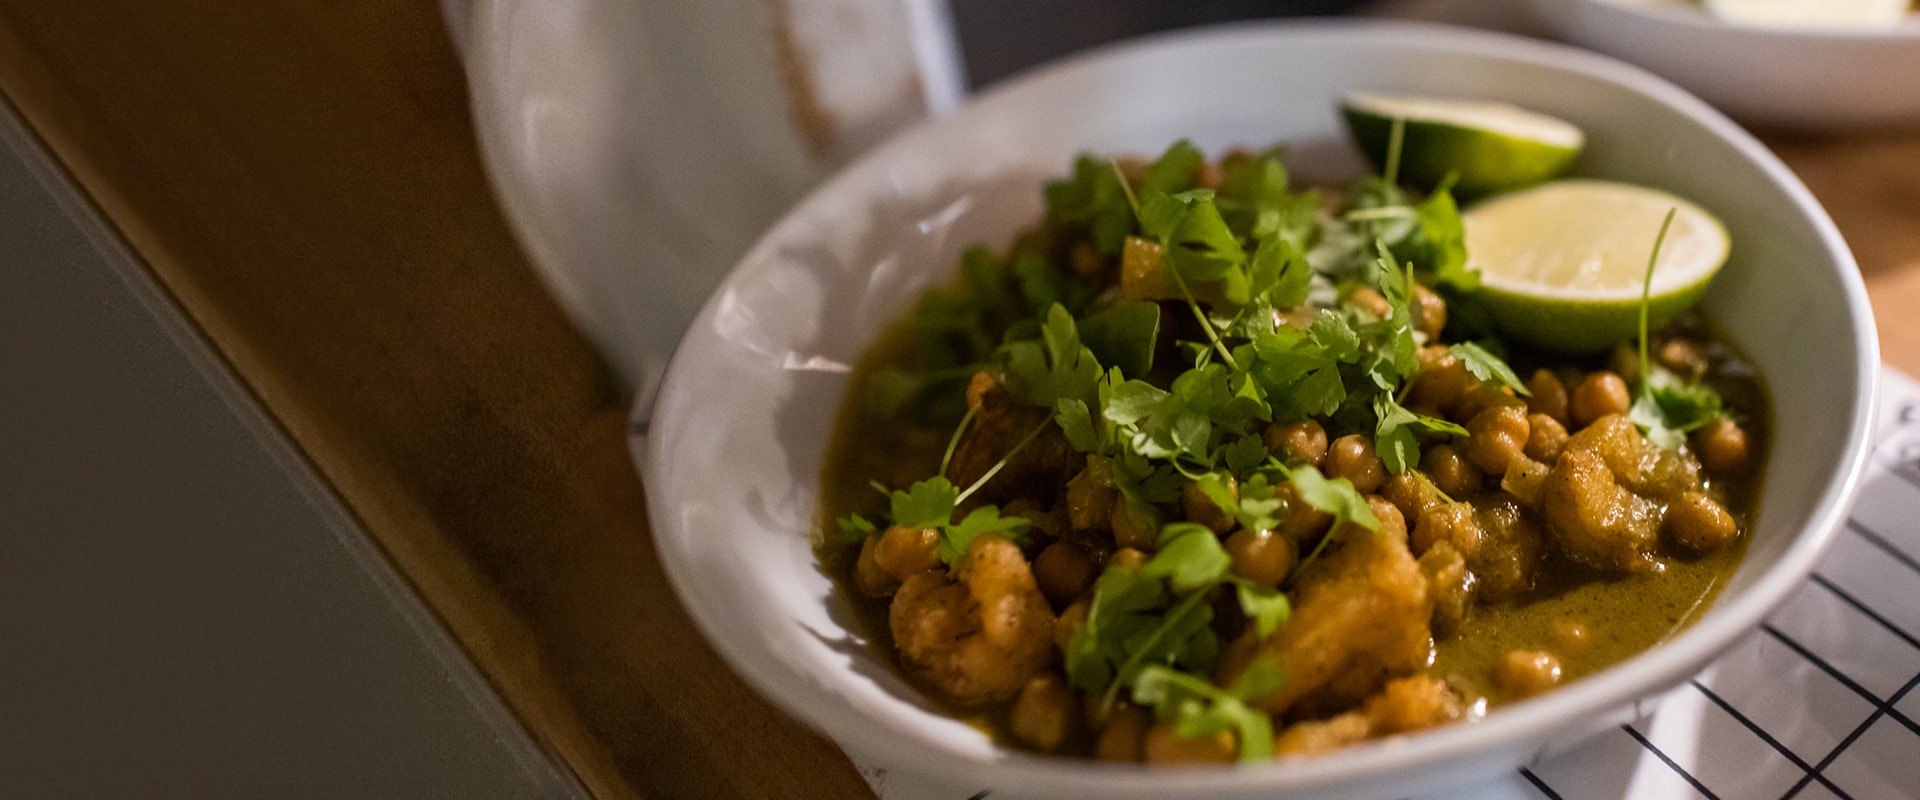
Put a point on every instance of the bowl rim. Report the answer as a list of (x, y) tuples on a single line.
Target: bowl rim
[(1652, 671), (1695, 18)]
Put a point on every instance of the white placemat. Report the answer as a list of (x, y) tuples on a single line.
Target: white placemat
[(1822, 701)]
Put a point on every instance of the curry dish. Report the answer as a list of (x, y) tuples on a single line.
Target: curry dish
[(1209, 469)]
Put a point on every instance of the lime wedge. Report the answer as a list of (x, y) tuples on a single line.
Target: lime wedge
[(1562, 263), (1490, 146), (1812, 13)]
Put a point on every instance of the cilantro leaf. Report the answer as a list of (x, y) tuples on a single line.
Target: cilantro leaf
[(1076, 422), (1243, 455), (1292, 275), (1094, 197), (1254, 200), (1668, 407), (1394, 433), (1443, 241), (1268, 608), (1174, 171), (1124, 610), (1299, 371), (926, 504), (956, 538), (857, 527), (930, 504), (1336, 497), (1123, 335), (1198, 708), (1257, 503), (1403, 351), (1043, 283), (1199, 248), (1486, 366), (1056, 367), (1397, 447), (1190, 558)]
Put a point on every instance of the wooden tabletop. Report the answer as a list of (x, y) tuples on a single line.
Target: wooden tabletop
[(301, 175)]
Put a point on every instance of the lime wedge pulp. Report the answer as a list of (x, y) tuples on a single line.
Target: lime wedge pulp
[(1562, 264), (1489, 146)]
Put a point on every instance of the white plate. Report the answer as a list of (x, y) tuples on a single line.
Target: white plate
[(1828, 79), (732, 461)]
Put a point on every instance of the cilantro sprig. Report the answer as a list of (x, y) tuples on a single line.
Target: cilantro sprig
[(1198, 708), (1159, 614), (1666, 407), (931, 504)]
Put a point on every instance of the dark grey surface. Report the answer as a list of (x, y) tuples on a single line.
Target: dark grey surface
[(185, 611), (999, 38)]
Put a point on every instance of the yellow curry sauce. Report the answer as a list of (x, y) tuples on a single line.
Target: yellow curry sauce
[(1241, 685)]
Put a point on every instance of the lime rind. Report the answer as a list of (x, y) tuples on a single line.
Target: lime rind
[(1487, 146), (1562, 264)]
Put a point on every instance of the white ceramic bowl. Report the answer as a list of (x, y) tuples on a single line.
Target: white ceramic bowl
[(1827, 79), (733, 456)]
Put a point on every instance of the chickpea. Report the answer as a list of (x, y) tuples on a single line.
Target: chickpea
[(1547, 395), (1124, 737), (1497, 436), (1546, 437), (1049, 522), (1429, 311), (1303, 441), (1264, 557), (1685, 356), (1483, 395), (1069, 623), (905, 551), (1625, 362), (1063, 570), (871, 580), (1570, 634), (1085, 261), (1722, 446), (1410, 492), (1371, 302), (1090, 496), (1598, 395), (1212, 174), (1698, 523), (1441, 379), (1201, 508), (1127, 558), (1450, 472), (1164, 746), (1045, 712), (1301, 522), (1136, 527), (1352, 457), (1447, 522), (1526, 672)]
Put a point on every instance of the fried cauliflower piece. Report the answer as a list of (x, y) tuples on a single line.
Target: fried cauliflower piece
[(979, 639), (1595, 520), (1360, 618), (1407, 704)]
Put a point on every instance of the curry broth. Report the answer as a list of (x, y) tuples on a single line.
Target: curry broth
[(1623, 616), (1619, 615)]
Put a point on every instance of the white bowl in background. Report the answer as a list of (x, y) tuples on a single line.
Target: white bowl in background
[(732, 459), (1806, 79)]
